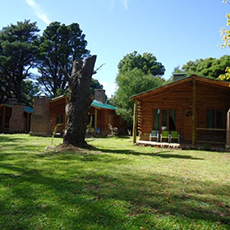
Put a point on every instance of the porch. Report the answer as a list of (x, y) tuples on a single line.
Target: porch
[(186, 146)]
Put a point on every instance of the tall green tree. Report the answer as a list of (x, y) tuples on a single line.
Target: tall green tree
[(130, 83), (209, 67), (147, 62), (136, 73), (59, 46), (18, 49)]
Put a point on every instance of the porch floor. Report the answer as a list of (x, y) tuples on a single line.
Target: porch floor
[(159, 144), (181, 145)]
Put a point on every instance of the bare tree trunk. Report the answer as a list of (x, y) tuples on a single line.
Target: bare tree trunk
[(79, 102)]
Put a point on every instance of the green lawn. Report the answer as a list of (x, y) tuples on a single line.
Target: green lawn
[(114, 186)]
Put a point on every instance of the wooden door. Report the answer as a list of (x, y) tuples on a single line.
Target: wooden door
[(188, 124)]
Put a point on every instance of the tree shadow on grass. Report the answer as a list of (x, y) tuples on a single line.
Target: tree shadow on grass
[(162, 153), (88, 198), (9, 138)]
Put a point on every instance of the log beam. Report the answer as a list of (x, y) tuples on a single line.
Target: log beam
[(4, 118), (95, 122), (194, 113), (228, 131), (135, 123)]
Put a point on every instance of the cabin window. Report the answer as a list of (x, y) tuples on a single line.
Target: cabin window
[(210, 118), (167, 119), (172, 120), (59, 118), (164, 125), (220, 119), (156, 119), (216, 118)]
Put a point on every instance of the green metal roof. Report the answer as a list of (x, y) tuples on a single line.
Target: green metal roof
[(26, 109), (101, 105)]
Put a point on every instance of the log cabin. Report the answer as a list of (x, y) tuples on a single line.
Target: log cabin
[(103, 119), (51, 114), (15, 117), (197, 107)]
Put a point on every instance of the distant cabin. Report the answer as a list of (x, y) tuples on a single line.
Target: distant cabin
[(196, 107), (15, 117), (49, 114)]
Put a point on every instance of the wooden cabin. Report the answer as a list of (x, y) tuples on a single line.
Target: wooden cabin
[(196, 107), (15, 118), (102, 117), (58, 114)]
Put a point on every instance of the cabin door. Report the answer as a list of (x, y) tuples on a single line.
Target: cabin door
[(187, 125)]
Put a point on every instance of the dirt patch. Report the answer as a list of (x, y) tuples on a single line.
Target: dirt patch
[(64, 147), (71, 148)]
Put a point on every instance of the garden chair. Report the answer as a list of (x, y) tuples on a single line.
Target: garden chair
[(175, 135), (165, 135), (154, 135)]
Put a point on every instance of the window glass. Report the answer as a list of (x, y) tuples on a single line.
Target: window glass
[(210, 118), (164, 120), (62, 118), (219, 119), (57, 118), (156, 119), (172, 120)]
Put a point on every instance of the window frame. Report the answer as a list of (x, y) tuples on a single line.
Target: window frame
[(160, 120), (214, 118)]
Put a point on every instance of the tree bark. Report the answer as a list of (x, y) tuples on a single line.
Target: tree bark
[(79, 102)]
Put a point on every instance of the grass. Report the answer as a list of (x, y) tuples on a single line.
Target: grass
[(114, 186)]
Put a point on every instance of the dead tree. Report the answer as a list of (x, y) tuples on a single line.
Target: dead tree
[(79, 102)]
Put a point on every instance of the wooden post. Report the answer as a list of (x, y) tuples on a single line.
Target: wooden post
[(95, 122), (194, 113), (4, 118), (228, 131), (135, 123), (27, 122), (91, 122)]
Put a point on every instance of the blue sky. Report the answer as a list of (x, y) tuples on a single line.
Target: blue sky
[(174, 31)]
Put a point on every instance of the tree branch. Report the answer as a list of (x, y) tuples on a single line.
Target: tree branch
[(95, 71)]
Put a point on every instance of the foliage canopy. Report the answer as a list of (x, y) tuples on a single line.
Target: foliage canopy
[(18, 50), (209, 67), (52, 53), (225, 33), (147, 62), (59, 46), (130, 83), (136, 73)]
